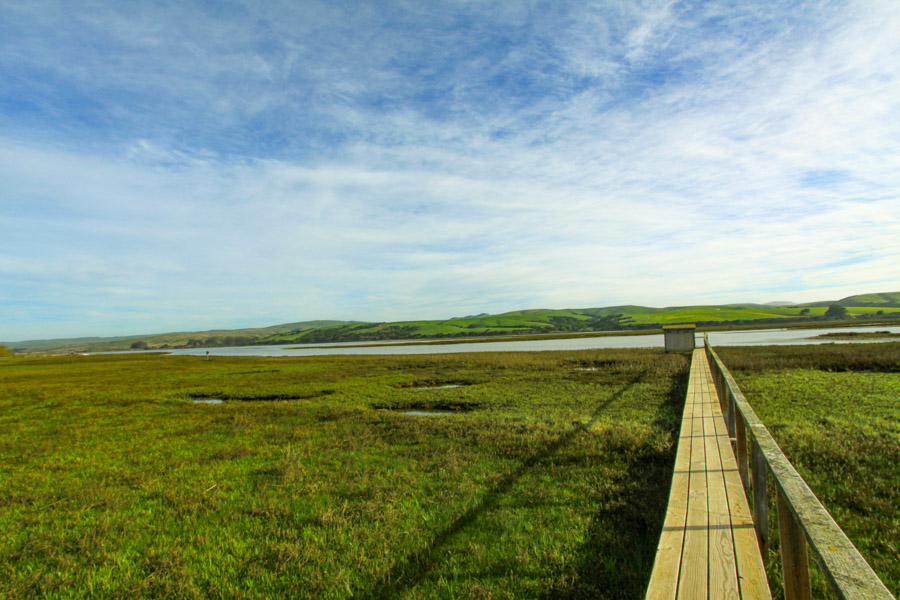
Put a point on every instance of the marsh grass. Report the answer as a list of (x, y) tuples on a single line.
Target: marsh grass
[(835, 412), (859, 335), (114, 483)]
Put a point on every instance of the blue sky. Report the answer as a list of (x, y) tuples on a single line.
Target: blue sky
[(195, 165)]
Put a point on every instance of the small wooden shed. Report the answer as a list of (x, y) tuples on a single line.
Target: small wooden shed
[(679, 338)]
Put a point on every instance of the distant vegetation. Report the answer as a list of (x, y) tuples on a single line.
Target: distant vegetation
[(858, 335), (869, 307), (508, 324), (617, 318), (871, 300), (836, 311), (165, 341)]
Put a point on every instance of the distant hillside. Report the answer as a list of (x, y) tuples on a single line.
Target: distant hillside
[(883, 300), (520, 322), (48, 345), (164, 341), (537, 321)]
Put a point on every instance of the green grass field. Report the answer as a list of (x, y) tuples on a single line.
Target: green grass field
[(835, 411), (548, 477)]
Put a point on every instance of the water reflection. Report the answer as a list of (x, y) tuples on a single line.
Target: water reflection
[(428, 413)]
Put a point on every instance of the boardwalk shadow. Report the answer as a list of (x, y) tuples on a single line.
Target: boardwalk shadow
[(413, 568), (617, 558)]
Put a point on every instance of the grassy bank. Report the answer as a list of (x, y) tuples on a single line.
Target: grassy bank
[(548, 479), (859, 335), (633, 332), (835, 412)]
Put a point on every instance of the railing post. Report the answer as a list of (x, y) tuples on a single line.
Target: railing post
[(760, 498), (741, 454), (794, 555), (720, 389), (730, 413)]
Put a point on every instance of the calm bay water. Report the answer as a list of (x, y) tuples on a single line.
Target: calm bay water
[(760, 337)]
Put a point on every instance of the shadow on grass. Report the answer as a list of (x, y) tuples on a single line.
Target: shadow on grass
[(617, 558), (637, 523)]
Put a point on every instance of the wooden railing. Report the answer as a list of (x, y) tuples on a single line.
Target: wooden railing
[(803, 523)]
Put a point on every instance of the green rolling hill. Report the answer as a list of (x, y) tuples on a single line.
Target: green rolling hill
[(537, 321), (216, 337), (881, 300), (521, 322)]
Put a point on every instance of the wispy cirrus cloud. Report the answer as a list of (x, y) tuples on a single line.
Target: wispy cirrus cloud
[(206, 165)]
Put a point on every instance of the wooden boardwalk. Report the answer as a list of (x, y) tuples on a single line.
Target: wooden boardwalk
[(708, 547)]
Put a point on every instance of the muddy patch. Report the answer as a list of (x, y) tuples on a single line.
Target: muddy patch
[(422, 409), (256, 371), (220, 398)]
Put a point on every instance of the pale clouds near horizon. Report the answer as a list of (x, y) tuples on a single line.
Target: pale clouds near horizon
[(229, 165)]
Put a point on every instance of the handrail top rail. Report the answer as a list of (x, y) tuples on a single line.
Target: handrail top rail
[(849, 573)]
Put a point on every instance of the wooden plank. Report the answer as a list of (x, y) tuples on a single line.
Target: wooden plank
[(723, 576), (699, 552), (693, 580)]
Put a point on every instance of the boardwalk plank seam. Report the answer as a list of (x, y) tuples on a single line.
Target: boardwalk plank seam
[(708, 546)]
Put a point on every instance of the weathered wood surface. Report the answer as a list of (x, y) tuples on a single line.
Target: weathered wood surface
[(849, 574), (760, 499), (708, 546), (794, 555)]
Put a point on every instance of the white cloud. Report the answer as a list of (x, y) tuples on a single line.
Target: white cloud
[(334, 175)]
